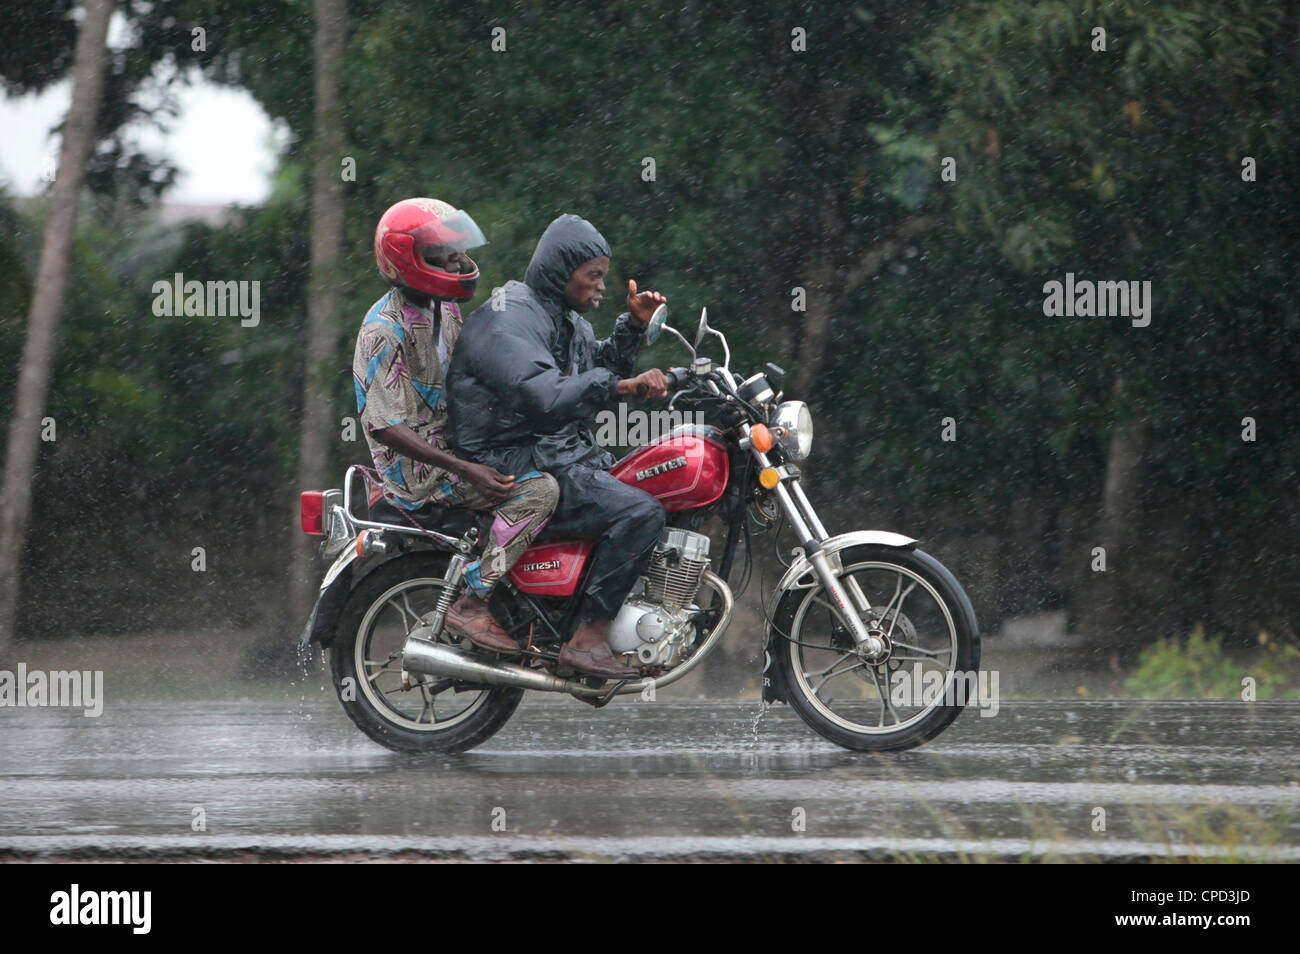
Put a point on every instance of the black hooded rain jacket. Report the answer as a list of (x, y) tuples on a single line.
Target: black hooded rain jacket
[(526, 380)]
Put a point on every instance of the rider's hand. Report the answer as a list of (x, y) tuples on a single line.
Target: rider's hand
[(495, 486), (652, 383), (642, 306)]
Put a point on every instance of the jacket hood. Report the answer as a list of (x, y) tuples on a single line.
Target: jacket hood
[(567, 242)]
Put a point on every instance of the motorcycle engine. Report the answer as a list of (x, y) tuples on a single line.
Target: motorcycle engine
[(656, 622)]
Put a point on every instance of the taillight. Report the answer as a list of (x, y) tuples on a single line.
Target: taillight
[(312, 510)]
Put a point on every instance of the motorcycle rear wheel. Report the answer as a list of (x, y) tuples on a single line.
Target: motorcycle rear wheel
[(366, 667), (917, 691)]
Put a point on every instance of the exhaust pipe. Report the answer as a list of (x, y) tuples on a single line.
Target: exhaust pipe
[(435, 659)]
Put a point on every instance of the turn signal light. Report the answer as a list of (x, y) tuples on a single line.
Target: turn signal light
[(761, 438), (768, 477)]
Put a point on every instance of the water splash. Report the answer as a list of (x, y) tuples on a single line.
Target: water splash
[(306, 662), (764, 705)]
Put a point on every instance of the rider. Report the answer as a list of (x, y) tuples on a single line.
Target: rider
[(398, 369), (525, 380)]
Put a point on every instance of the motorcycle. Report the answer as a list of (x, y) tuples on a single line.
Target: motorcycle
[(857, 623)]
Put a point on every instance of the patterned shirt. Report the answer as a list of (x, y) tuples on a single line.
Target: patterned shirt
[(397, 370)]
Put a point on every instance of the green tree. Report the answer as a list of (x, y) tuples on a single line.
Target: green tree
[(1127, 163)]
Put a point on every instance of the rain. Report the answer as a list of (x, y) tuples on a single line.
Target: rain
[(970, 424)]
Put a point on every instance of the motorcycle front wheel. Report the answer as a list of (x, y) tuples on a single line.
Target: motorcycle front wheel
[(431, 714), (913, 694)]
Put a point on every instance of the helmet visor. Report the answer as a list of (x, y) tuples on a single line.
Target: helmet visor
[(456, 232)]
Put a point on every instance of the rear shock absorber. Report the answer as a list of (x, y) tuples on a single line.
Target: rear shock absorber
[(454, 577)]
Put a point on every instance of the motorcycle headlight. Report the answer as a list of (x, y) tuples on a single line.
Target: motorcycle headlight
[(792, 427)]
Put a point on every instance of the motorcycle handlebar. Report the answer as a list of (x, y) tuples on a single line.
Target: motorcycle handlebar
[(678, 378)]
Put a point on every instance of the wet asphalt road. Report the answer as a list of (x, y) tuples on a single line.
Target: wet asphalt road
[(645, 781)]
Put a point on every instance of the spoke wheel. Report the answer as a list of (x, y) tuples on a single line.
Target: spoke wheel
[(904, 699), (430, 714)]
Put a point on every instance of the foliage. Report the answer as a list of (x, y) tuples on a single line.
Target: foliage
[(1198, 668), (1126, 164), (771, 167)]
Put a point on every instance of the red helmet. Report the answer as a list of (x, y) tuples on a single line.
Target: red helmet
[(415, 230)]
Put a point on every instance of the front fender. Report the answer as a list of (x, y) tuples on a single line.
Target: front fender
[(802, 567), (329, 600)]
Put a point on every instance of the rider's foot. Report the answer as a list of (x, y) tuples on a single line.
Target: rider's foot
[(471, 616), (588, 653)]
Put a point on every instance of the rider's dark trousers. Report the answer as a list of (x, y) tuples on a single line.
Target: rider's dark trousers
[(625, 521)]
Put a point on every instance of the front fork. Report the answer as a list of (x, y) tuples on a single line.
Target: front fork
[(797, 507), (847, 594)]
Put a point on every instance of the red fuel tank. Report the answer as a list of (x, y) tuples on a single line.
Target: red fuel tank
[(685, 468)]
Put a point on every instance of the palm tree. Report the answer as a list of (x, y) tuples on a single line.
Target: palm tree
[(47, 305)]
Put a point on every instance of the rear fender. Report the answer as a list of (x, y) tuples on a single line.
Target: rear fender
[(329, 600), (343, 576)]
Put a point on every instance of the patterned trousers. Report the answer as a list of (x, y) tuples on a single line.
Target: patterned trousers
[(515, 525)]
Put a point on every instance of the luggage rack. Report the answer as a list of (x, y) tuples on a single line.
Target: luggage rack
[(343, 525)]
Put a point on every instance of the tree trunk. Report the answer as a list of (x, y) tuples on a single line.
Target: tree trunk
[(1105, 615), (47, 305), (275, 654), (831, 287)]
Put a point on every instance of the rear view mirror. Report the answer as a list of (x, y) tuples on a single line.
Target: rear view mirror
[(655, 326), (703, 328)]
